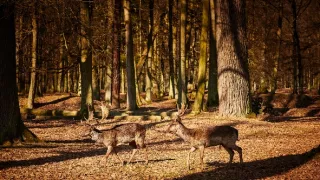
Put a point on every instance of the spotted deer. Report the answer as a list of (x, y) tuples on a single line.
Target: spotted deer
[(131, 133), (200, 138)]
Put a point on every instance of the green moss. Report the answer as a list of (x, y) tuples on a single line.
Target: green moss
[(251, 115)]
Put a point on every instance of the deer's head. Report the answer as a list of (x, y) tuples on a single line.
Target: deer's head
[(176, 121)]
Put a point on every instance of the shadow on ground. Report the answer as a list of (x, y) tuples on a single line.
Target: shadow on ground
[(257, 169), (37, 105)]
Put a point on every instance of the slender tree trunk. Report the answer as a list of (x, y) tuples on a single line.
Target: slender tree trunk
[(171, 60), (213, 97), (198, 104), (149, 55), (60, 65), (19, 61), (131, 89), (297, 59), (182, 97), (278, 53), (116, 74), (95, 78), (86, 57), (233, 73), (34, 47)]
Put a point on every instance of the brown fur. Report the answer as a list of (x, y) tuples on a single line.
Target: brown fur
[(131, 133), (207, 136)]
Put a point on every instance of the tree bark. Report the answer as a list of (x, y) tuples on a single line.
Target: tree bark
[(170, 47), (95, 78), (32, 87), (131, 89), (233, 74), (116, 74), (278, 53), (182, 95), (213, 97), (12, 127), (86, 57), (297, 59), (198, 104), (150, 55)]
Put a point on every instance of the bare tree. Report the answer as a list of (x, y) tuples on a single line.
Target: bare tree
[(86, 56), (198, 104), (12, 127), (182, 95), (34, 48), (131, 92)]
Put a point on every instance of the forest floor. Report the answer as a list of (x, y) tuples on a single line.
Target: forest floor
[(280, 146)]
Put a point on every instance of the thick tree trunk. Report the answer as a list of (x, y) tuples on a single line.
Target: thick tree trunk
[(131, 89), (198, 104), (233, 82), (12, 127)]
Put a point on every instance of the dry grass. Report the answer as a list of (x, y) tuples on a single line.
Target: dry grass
[(287, 148)]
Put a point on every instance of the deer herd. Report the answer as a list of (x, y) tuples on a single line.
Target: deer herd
[(134, 134)]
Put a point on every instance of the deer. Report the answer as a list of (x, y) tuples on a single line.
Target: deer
[(130, 133), (200, 138)]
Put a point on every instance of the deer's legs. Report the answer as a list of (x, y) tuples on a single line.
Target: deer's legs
[(133, 152), (188, 159), (110, 148), (201, 149), (146, 152), (119, 158), (230, 151), (239, 150)]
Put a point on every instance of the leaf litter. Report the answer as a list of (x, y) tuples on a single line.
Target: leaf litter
[(286, 148)]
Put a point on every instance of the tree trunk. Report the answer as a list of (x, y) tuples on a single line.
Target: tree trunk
[(95, 79), (12, 127), (116, 74), (149, 55), (278, 53), (213, 98), (131, 89), (170, 47), (297, 59), (86, 57), (182, 96), (60, 65), (233, 75), (198, 104), (19, 58), (32, 87)]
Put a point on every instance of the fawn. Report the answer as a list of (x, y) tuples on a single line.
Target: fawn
[(132, 133), (205, 137)]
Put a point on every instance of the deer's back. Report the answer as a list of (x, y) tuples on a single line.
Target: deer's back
[(222, 135), (126, 133), (213, 136)]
